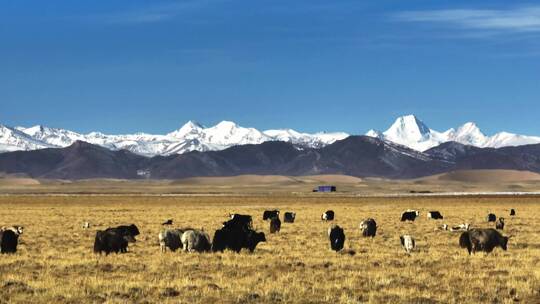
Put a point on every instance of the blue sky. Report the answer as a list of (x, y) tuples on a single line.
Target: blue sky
[(127, 66)]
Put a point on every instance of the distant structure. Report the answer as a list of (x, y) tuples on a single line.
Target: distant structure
[(325, 189)]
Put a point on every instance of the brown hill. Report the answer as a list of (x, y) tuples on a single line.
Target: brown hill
[(485, 176)]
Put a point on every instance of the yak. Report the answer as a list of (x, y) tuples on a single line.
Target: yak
[(336, 235), (289, 217), (328, 215), (171, 238), (110, 241), (368, 227), (491, 217), (409, 215), (436, 215), (9, 238), (483, 240), (196, 241), (237, 234), (499, 225), (275, 225), (407, 242), (270, 214)]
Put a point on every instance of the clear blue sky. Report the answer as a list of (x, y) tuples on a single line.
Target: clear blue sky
[(126, 66)]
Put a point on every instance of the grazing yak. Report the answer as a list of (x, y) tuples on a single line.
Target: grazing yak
[(275, 225), (491, 217), (328, 215), (443, 227), (171, 238), (336, 237), (237, 234), (86, 225), (196, 241), (461, 227), (9, 239), (368, 227), (289, 217), (130, 232), (115, 239), (499, 225), (408, 243), (512, 212), (167, 222), (483, 240), (110, 241), (240, 219), (16, 229), (270, 214), (436, 215), (409, 215)]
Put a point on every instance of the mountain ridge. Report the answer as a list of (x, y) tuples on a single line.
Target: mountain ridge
[(360, 156), (407, 130)]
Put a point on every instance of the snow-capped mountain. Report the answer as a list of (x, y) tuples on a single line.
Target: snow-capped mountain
[(316, 140), (192, 136), (407, 130), (13, 139), (412, 132)]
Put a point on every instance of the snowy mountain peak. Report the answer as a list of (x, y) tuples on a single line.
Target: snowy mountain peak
[(412, 132), (408, 125), (469, 127), (33, 130), (470, 134), (408, 131), (189, 128), (226, 125), (374, 133)]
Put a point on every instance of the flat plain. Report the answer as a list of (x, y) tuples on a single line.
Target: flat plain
[(55, 262)]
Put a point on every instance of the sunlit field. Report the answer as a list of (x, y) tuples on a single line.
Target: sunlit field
[(55, 262)]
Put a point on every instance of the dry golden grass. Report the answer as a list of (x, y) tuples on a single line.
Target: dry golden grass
[(55, 263)]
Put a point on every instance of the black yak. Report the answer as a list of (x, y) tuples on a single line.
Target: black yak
[(436, 215), (336, 237), (483, 240), (328, 215), (270, 214), (409, 215), (368, 227), (110, 241), (289, 217), (237, 234), (275, 225)]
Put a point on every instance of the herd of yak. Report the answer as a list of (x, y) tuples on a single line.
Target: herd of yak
[(237, 233)]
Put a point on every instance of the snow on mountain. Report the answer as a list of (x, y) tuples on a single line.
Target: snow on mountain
[(407, 130), (12, 139), (227, 132), (51, 136), (304, 139), (192, 136), (504, 139), (412, 132), (189, 130)]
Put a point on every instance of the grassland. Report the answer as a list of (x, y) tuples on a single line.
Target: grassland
[(55, 263)]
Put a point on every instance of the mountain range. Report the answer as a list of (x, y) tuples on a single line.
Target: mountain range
[(408, 131), (361, 156), (191, 136), (415, 134)]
